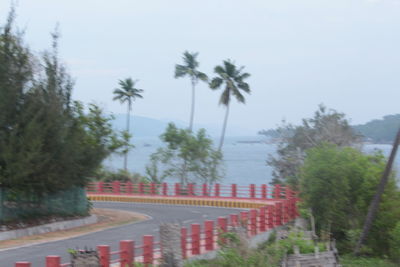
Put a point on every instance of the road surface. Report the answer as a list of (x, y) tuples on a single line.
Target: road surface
[(159, 213)]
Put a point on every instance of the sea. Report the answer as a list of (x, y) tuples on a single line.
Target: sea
[(245, 158)]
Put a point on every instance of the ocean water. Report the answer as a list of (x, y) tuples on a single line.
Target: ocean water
[(244, 163)]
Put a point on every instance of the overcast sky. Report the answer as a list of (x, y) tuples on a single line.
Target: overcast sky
[(300, 53)]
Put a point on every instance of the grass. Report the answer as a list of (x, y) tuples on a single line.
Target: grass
[(351, 261)]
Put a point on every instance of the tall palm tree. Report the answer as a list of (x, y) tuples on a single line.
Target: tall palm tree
[(127, 93), (233, 78), (189, 68)]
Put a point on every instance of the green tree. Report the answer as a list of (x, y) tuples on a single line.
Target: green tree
[(47, 142), (326, 126), (186, 156), (233, 78), (337, 184), (190, 69), (127, 93)]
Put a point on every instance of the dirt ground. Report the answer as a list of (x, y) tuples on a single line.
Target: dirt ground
[(107, 218)]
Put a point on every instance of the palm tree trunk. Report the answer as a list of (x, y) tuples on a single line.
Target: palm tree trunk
[(193, 105), (128, 117), (378, 195), (221, 142)]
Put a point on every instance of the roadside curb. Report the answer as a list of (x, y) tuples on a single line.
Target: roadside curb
[(200, 201), (49, 227)]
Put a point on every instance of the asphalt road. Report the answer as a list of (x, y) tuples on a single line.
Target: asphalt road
[(159, 213)]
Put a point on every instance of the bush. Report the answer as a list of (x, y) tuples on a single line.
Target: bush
[(338, 185), (121, 175), (395, 243)]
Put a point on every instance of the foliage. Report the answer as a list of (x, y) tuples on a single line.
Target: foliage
[(127, 93), (121, 175), (338, 184), (270, 253), (187, 156), (190, 69), (380, 131), (271, 133), (351, 261), (326, 126), (233, 79), (395, 243), (47, 142)]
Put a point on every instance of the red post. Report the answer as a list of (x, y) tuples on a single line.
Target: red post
[(129, 187), (127, 257), (290, 209), (191, 189), (283, 192), (289, 193), (277, 191), (153, 188), (195, 239), (116, 187), (22, 264), (234, 220), (262, 225), (295, 210), (177, 189), (184, 242), (278, 214), (234, 190), (165, 189), (104, 255), (205, 190), (244, 215), (285, 210), (53, 261), (252, 191), (209, 234), (253, 222), (148, 249), (264, 191), (217, 186), (141, 188), (271, 216), (223, 228), (100, 187)]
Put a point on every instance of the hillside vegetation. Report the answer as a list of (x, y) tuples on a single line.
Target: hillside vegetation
[(380, 131)]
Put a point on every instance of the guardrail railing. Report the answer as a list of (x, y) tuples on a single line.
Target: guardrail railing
[(195, 240), (217, 190)]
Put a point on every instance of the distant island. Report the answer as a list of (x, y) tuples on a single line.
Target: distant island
[(381, 131), (378, 131)]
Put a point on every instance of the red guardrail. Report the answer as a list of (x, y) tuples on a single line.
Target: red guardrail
[(232, 191), (198, 240)]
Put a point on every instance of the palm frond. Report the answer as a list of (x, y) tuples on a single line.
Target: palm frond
[(219, 70), (216, 83), (230, 68), (244, 86), (190, 59), (244, 76), (202, 76), (239, 97), (180, 71), (127, 92), (225, 97)]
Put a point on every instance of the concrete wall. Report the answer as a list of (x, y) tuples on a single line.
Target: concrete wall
[(49, 227)]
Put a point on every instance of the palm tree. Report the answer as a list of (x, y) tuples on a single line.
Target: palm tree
[(233, 78), (127, 93), (189, 68)]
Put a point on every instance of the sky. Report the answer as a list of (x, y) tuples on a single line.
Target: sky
[(300, 53)]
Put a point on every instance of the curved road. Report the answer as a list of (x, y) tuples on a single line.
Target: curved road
[(159, 213)]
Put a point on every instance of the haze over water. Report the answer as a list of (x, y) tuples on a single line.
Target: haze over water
[(244, 163)]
